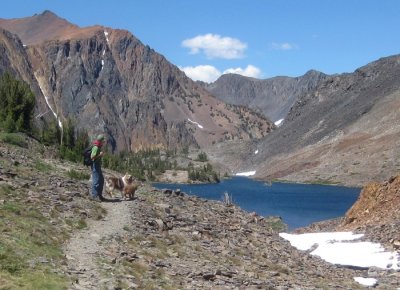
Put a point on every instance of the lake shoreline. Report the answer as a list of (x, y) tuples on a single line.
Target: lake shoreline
[(299, 205)]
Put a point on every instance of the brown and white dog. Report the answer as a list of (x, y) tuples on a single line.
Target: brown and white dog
[(124, 184)]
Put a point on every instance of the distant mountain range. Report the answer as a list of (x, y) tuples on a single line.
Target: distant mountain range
[(273, 97), (345, 130), (339, 128), (106, 80)]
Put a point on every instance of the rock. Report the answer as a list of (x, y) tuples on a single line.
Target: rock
[(209, 276)]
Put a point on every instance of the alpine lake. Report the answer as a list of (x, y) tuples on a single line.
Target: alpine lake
[(298, 205)]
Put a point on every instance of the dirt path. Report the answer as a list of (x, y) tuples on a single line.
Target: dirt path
[(83, 249)]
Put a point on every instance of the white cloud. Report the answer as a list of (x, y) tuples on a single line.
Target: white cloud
[(283, 46), (249, 71), (205, 73), (209, 73), (216, 46)]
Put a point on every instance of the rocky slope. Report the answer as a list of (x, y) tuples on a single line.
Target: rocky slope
[(345, 131), (273, 97), (15, 60), (159, 240), (377, 213), (108, 81)]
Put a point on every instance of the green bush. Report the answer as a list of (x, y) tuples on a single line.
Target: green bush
[(42, 166), (14, 139), (202, 157)]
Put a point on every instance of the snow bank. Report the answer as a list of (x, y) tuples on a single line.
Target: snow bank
[(341, 248), (279, 122), (366, 281), (306, 241)]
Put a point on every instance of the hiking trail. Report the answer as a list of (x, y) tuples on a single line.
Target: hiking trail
[(84, 249)]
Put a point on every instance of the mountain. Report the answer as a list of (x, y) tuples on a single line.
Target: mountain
[(273, 97), (106, 80), (42, 27), (14, 59), (338, 129), (346, 130)]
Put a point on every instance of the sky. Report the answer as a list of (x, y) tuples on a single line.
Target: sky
[(345, 248), (256, 38)]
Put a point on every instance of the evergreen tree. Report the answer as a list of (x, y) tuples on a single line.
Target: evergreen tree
[(17, 104)]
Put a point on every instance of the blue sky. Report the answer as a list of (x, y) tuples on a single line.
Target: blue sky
[(258, 38)]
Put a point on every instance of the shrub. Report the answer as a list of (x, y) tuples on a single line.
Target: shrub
[(202, 157), (14, 139)]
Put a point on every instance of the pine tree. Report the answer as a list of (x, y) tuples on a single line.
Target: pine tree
[(17, 104)]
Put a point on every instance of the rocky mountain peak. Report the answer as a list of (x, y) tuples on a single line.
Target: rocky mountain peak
[(108, 81), (273, 97), (39, 27)]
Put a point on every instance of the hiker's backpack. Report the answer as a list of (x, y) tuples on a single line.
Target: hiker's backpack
[(87, 160)]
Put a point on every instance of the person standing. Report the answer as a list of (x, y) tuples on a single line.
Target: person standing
[(97, 174)]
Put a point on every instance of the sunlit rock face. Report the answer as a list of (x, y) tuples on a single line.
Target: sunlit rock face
[(106, 80)]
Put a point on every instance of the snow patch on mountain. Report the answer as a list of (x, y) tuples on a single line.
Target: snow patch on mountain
[(198, 125), (248, 173), (48, 104)]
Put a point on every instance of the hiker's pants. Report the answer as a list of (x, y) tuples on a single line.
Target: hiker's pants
[(97, 180)]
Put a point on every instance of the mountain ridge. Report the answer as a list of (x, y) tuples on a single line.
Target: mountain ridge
[(337, 129), (273, 96), (110, 82), (329, 132)]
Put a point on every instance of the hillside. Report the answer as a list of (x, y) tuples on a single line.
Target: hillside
[(345, 131), (15, 60), (159, 239), (377, 213), (106, 80), (273, 97)]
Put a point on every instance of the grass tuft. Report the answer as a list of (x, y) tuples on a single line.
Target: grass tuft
[(13, 139), (27, 251), (78, 175), (42, 166)]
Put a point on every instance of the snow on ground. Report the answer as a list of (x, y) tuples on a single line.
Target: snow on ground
[(198, 125), (249, 173), (279, 122), (366, 281), (342, 248)]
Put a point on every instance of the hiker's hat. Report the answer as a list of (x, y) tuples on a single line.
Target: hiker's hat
[(100, 137)]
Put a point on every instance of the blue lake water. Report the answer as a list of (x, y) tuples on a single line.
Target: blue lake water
[(298, 204)]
